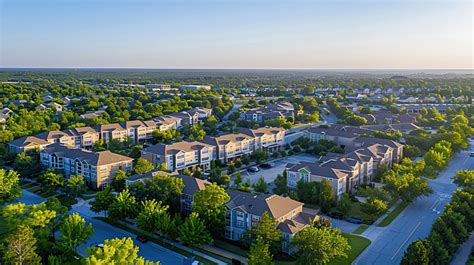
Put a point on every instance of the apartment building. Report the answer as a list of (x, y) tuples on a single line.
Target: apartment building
[(181, 155), (26, 144), (191, 186), (195, 87), (269, 112), (342, 138), (244, 211), (136, 130), (312, 172), (97, 168), (395, 147)]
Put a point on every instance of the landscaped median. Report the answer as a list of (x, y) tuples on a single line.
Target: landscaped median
[(361, 229), (393, 214)]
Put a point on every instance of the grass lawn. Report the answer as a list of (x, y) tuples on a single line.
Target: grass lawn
[(34, 189), (393, 214), (164, 244), (28, 185), (66, 200), (359, 230), (230, 247), (358, 244), (356, 210)]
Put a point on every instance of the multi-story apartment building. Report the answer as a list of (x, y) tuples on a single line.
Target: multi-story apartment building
[(27, 143), (269, 111), (232, 145), (98, 168), (181, 155), (244, 211), (396, 148), (342, 138), (195, 87), (137, 131), (312, 172)]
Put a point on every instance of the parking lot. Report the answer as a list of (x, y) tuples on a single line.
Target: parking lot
[(278, 166)]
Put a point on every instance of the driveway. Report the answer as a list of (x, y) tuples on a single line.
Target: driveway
[(389, 243), (278, 166), (102, 231)]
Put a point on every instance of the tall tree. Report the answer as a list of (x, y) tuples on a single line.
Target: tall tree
[(320, 246), (151, 216), (142, 166), (51, 180), (193, 232), (259, 253), (119, 180), (261, 185), (407, 186), (209, 204), (75, 185), (74, 231), (21, 247), (327, 196), (124, 206), (266, 229), (418, 253), (116, 251), (103, 200), (9, 185)]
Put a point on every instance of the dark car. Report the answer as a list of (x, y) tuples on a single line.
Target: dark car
[(265, 166), (142, 239), (336, 215), (354, 220), (472, 154)]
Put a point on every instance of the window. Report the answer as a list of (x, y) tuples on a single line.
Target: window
[(240, 223)]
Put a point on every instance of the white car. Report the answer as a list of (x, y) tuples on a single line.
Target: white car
[(253, 169)]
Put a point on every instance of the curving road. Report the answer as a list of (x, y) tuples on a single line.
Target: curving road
[(389, 243)]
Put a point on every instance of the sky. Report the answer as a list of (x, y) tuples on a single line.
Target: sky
[(258, 34)]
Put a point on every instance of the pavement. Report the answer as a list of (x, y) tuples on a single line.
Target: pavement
[(278, 166), (389, 243), (235, 108), (103, 231), (29, 198), (462, 255)]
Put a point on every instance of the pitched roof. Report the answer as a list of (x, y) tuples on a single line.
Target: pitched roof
[(26, 140), (261, 131), (276, 206), (174, 148), (318, 170), (93, 158), (331, 132)]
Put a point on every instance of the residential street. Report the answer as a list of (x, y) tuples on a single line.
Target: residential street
[(102, 231), (389, 243)]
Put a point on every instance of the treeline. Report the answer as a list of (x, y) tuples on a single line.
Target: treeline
[(344, 114), (451, 228)]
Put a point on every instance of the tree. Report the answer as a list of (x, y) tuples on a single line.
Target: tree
[(280, 184), (238, 179), (152, 215), (344, 204), (193, 232), (116, 251), (209, 204), (20, 248), (259, 156), (327, 196), (259, 253), (308, 192), (119, 180), (374, 206), (260, 185), (464, 178), (142, 166), (103, 200), (26, 166), (9, 185), (196, 132), (51, 180), (75, 185), (320, 246), (73, 232), (418, 253), (266, 229), (407, 186), (124, 206), (164, 188)]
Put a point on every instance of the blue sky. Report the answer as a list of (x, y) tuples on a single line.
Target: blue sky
[(328, 34)]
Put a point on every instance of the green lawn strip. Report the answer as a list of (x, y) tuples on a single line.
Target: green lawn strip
[(34, 189), (28, 185), (88, 197), (159, 242), (359, 230), (358, 244), (393, 214)]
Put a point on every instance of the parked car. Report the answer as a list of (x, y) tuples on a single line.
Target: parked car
[(265, 166), (253, 169), (205, 175), (472, 154), (99, 245), (142, 239), (336, 215), (354, 220)]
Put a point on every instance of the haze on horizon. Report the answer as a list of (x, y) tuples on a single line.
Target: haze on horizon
[(265, 34)]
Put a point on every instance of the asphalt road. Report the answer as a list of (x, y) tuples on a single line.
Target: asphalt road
[(30, 198), (102, 231), (389, 243)]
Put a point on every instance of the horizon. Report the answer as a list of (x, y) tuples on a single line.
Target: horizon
[(237, 34)]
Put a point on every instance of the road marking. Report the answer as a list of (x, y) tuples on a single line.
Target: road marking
[(404, 242)]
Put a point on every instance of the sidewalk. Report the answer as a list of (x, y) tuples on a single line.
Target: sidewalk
[(462, 255), (395, 205), (224, 253)]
